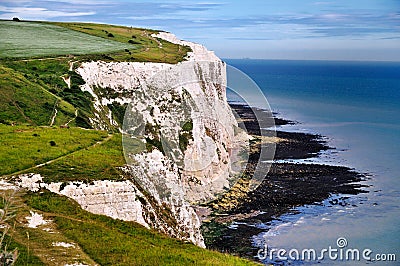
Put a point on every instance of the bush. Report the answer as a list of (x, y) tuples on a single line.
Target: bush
[(188, 126), (184, 141), (118, 111), (110, 35), (82, 121), (52, 143)]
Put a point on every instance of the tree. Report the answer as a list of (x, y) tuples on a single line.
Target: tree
[(16, 19)]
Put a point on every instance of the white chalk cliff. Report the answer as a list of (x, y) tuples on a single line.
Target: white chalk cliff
[(184, 136)]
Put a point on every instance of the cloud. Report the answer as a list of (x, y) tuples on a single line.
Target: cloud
[(315, 25), (250, 39), (37, 13), (154, 9), (62, 2), (323, 3), (200, 17), (105, 10)]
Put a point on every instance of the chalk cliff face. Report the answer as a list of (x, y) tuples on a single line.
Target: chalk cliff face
[(179, 136), (123, 200)]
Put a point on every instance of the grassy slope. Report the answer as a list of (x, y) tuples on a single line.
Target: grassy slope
[(24, 257), (115, 242), (38, 75), (91, 41), (149, 49), (23, 147), (17, 41), (41, 80), (95, 163), (22, 100)]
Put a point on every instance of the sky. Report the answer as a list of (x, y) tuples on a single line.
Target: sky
[(261, 29)]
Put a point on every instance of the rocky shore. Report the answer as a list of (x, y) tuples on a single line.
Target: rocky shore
[(286, 186)]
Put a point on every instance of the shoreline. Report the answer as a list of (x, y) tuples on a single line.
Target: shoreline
[(287, 185)]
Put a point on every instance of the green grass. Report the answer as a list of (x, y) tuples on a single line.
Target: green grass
[(24, 101), (30, 39), (100, 162), (115, 242), (24, 258), (150, 49), (22, 147), (36, 245), (42, 86), (103, 239), (88, 41), (32, 89)]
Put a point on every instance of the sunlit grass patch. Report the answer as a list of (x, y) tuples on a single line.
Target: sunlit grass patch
[(22, 147), (100, 162), (30, 39), (149, 48)]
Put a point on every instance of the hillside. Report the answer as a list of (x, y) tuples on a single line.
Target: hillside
[(44, 64), (51, 128)]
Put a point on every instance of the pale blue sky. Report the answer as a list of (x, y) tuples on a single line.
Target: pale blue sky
[(271, 29)]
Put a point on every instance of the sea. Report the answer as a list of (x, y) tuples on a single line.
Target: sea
[(356, 107)]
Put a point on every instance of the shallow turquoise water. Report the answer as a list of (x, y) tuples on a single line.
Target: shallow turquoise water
[(357, 106)]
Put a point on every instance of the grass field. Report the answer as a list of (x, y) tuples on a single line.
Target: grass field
[(22, 147), (131, 244), (88, 41), (28, 39), (33, 89), (150, 49), (100, 162), (83, 155)]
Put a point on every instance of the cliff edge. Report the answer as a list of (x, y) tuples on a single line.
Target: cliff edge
[(179, 136)]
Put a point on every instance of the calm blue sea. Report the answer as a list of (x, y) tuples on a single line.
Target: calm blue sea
[(356, 105)]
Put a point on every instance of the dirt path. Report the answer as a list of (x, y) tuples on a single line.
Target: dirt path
[(22, 112), (42, 59), (54, 114), (76, 115), (45, 241)]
